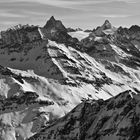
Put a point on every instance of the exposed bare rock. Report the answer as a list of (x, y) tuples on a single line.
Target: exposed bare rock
[(56, 31), (53, 24), (20, 35), (113, 119)]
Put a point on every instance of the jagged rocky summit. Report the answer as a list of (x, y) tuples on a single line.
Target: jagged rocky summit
[(46, 72), (106, 28)]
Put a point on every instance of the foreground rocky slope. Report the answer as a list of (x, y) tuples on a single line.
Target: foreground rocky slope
[(117, 118), (47, 71)]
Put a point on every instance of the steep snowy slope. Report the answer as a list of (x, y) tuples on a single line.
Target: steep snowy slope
[(19, 106), (115, 119)]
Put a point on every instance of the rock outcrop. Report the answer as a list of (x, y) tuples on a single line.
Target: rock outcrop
[(19, 35), (53, 24), (56, 31), (115, 119)]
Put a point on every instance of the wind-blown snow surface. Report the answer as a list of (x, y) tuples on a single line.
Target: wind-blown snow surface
[(79, 34)]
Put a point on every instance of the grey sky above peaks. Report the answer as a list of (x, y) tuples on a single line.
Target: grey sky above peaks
[(73, 13)]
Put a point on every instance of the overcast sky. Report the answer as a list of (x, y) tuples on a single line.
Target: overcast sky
[(73, 13)]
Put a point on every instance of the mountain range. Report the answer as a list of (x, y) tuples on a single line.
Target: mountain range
[(59, 83)]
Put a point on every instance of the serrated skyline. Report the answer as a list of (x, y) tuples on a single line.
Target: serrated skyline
[(74, 13)]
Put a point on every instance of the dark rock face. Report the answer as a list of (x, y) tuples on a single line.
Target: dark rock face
[(117, 118), (5, 71), (20, 35), (134, 28), (106, 28), (88, 30), (52, 23), (56, 31), (107, 25)]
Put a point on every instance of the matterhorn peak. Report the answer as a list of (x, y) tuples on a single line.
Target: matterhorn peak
[(107, 25), (107, 21), (52, 23), (134, 28), (106, 28), (52, 18)]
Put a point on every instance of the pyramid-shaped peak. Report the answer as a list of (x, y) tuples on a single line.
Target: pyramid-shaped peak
[(52, 23), (52, 18), (106, 28), (107, 25), (107, 22)]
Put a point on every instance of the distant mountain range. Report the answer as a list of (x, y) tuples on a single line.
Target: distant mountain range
[(69, 84)]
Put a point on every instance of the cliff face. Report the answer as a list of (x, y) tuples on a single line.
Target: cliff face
[(52, 23), (56, 31)]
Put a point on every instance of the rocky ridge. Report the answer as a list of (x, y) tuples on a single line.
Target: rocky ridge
[(116, 118)]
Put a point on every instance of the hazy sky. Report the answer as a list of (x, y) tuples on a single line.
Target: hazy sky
[(73, 13)]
